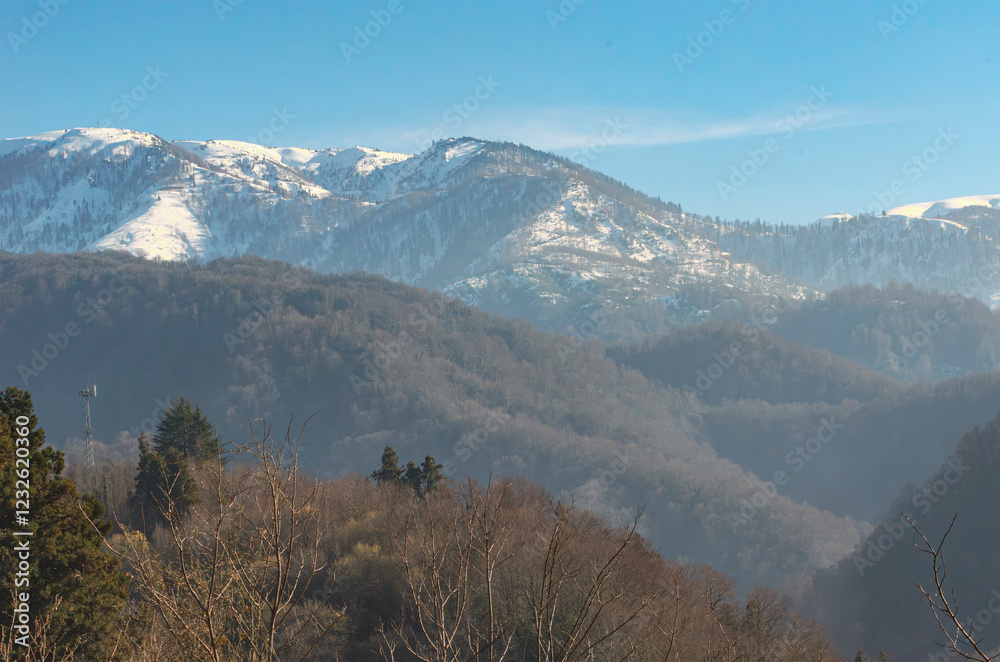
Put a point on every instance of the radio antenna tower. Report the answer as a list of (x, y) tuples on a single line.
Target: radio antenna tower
[(88, 430)]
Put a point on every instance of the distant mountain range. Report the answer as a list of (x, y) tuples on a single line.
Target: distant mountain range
[(502, 226)]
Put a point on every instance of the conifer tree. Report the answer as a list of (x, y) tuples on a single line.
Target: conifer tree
[(430, 473), (186, 428), (69, 578), (413, 477), (421, 479), (390, 471), (163, 484)]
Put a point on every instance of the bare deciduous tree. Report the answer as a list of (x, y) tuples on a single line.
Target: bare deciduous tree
[(580, 606), (435, 550), (232, 579), (961, 638)]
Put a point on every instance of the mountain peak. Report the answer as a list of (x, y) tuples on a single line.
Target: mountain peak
[(506, 227), (85, 140)]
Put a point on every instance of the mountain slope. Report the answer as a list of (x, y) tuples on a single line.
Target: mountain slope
[(502, 226), (898, 330), (955, 253), (825, 430), (507, 228), (869, 598), (377, 363), (730, 361), (942, 209)]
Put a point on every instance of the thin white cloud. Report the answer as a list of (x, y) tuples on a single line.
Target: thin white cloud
[(571, 127)]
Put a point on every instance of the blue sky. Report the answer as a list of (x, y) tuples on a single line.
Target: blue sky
[(783, 111)]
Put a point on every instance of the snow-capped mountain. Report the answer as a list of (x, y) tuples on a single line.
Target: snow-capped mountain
[(951, 245), (502, 226), (941, 208)]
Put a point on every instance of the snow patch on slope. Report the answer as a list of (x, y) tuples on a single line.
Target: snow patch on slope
[(167, 230), (938, 208), (830, 219), (10, 145)]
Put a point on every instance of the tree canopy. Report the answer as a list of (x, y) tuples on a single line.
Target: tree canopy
[(185, 428), (421, 479), (163, 484), (72, 584)]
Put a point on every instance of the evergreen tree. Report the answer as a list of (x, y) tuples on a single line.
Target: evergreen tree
[(421, 479), (430, 473), (390, 471), (65, 557), (163, 482), (186, 428), (413, 477)]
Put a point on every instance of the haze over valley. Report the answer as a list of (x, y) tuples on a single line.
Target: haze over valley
[(622, 332)]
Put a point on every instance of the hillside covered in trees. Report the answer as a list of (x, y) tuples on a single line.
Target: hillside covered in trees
[(758, 400), (873, 596), (898, 329), (732, 361), (376, 363), (259, 561), (373, 364)]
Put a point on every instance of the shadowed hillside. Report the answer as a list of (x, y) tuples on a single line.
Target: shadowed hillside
[(377, 363)]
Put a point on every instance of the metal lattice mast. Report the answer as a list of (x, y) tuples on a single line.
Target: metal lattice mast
[(88, 430)]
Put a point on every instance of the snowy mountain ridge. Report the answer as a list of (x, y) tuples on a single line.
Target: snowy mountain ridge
[(502, 226), (942, 207)]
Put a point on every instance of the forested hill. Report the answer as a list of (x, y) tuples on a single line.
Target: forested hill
[(870, 598), (376, 363), (760, 401), (717, 361), (898, 329)]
